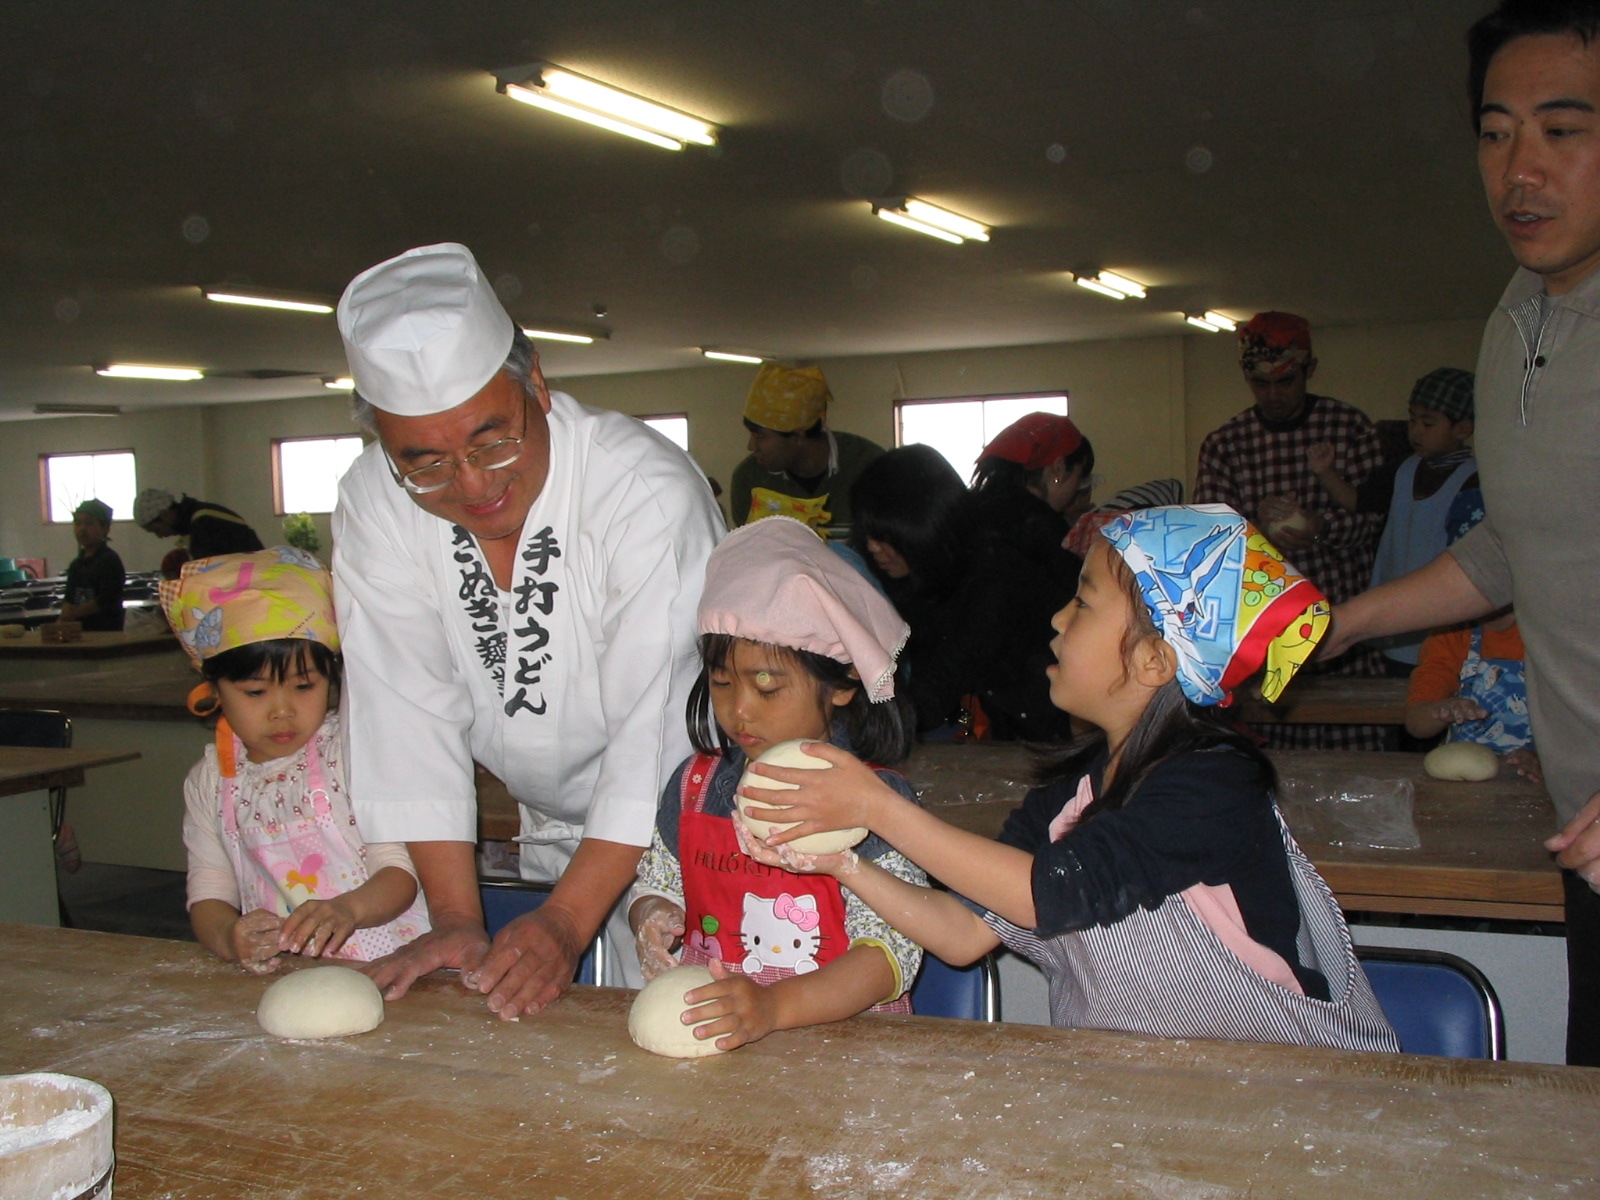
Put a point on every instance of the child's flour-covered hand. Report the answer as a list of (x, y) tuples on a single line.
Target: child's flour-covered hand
[(740, 1009), (318, 927), (254, 941), (841, 866), (1459, 709), (658, 927), (849, 796)]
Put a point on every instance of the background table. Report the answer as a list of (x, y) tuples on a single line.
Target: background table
[(445, 1100), (1331, 700)]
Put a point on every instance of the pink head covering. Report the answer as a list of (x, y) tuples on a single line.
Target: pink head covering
[(775, 581)]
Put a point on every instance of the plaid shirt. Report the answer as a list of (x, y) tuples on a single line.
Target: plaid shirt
[(1244, 462)]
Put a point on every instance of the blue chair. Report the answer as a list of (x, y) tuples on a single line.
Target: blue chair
[(1438, 1003), (967, 993), (506, 899)]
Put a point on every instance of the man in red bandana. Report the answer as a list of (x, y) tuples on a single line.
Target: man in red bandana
[(1256, 462)]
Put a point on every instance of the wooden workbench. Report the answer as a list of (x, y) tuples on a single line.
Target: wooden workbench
[(1331, 700), (95, 645), (1481, 855), (153, 687), (444, 1100), (31, 769)]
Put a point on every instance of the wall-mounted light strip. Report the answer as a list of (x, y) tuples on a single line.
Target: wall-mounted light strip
[(550, 335), (305, 306), (559, 91), (141, 371), (941, 223), (730, 356)]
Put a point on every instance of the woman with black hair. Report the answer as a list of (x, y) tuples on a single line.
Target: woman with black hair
[(1031, 484), (978, 608)]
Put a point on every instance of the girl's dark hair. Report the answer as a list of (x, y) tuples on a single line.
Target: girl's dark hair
[(993, 473), (912, 499), (1171, 723), (879, 733), (277, 659)]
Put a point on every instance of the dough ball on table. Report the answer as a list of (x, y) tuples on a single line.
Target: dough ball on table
[(789, 754), (655, 1022), (321, 1002), (1466, 761)]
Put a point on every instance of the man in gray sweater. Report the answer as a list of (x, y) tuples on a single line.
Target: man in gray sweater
[(1536, 90)]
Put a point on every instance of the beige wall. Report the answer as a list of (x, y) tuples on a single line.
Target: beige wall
[(1146, 404)]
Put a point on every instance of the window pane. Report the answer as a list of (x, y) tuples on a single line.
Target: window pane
[(74, 478), (674, 428), (309, 470), (960, 429)]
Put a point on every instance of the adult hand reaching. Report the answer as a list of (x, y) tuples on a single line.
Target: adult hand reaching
[(461, 944), (1577, 846), (531, 962)]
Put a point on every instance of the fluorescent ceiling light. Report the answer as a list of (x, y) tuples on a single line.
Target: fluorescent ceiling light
[(930, 219), (1211, 322), (729, 356), (342, 384), (139, 371), (1199, 322), (1121, 283), (560, 91), (1226, 324), (77, 410), (1094, 285), (550, 335), (265, 301)]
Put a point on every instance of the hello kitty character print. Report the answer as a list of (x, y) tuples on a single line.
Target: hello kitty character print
[(779, 933)]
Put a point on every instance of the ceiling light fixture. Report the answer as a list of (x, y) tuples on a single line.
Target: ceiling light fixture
[(77, 410), (730, 356), (557, 90), (1211, 322), (342, 384), (551, 335), (911, 213), (140, 371), (259, 301), (1109, 283)]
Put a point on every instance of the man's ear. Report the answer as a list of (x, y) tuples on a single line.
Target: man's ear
[(1155, 662)]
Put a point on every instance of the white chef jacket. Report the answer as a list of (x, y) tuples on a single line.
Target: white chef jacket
[(571, 686)]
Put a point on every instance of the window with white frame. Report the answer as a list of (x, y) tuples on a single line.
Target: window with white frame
[(306, 472), (672, 426), (67, 480), (959, 427)]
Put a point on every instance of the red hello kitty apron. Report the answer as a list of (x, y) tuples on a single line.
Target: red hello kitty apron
[(280, 863), (764, 922)]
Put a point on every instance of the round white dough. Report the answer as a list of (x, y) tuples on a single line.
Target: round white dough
[(1466, 761), (321, 1002), (655, 1022), (789, 754)]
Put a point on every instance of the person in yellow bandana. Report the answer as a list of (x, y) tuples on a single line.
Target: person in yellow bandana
[(797, 466)]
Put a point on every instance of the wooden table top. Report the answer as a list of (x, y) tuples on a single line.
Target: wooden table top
[(1481, 854), (444, 1100), (1331, 700), (153, 687), (30, 768), (94, 645)]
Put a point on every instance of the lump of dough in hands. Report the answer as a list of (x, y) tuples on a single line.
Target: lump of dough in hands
[(655, 1022), (1466, 761), (789, 754), (321, 1002)]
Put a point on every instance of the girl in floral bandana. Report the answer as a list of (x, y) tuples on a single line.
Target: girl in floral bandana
[(276, 864), (795, 644), (1151, 877)]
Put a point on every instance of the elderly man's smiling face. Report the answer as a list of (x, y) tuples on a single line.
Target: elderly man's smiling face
[(487, 504), (1539, 154)]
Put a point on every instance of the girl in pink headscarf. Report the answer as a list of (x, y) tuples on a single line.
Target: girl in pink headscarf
[(794, 644)]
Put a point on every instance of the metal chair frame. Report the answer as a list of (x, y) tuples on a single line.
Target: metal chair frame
[(936, 973), (1494, 1027)]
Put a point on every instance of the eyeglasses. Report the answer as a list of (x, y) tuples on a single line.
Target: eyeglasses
[(434, 477)]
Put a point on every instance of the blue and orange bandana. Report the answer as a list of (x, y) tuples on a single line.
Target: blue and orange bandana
[(1222, 597)]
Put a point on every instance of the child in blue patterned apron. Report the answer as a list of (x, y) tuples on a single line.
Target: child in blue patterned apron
[(1152, 877), (276, 864), (794, 644), (1469, 685)]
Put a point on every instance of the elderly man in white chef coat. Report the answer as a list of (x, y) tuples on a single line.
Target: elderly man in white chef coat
[(516, 578)]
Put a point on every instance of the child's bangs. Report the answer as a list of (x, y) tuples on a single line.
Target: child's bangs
[(277, 659)]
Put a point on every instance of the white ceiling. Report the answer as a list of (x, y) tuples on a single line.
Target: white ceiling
[(1304, 154)]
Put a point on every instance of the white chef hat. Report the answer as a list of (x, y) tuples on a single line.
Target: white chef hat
[(424, 332)]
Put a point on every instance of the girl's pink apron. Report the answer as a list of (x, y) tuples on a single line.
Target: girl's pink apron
[(718, 876), (280, 864)]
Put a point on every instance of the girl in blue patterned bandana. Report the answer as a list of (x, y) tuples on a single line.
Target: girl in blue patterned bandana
[(1151, 877)]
